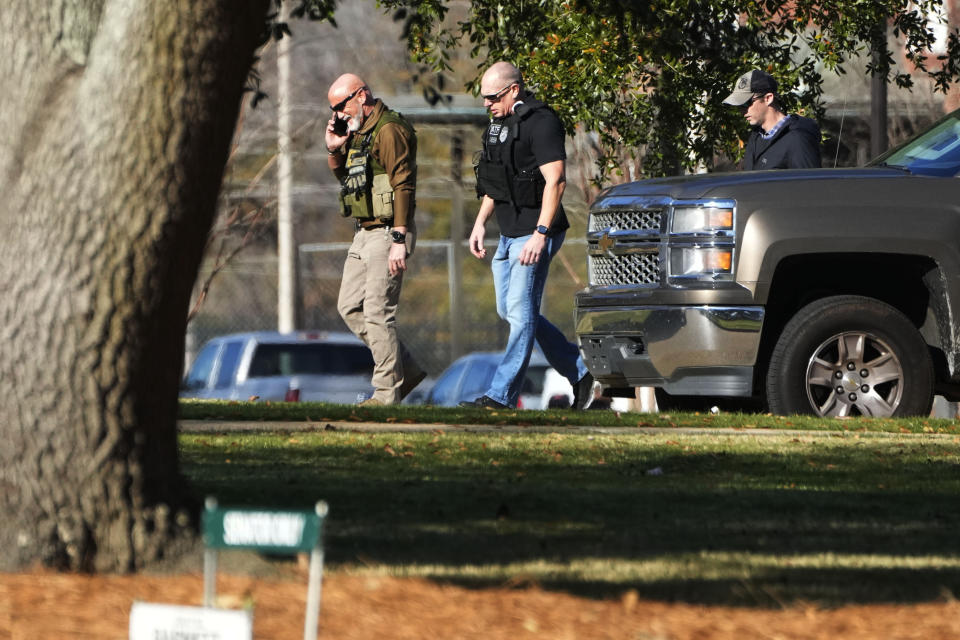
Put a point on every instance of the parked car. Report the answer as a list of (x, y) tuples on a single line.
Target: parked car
[(419, 393), (469, 377), (267, 365)]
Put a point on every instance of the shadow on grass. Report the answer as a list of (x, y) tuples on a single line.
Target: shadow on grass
[(705, 506)]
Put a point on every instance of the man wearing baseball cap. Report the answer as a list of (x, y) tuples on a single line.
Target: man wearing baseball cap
[(778, 140)]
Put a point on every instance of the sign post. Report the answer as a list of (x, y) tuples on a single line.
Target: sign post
[(269, 531)]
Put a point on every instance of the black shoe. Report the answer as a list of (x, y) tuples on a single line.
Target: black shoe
[(483, 402), (583, 392)]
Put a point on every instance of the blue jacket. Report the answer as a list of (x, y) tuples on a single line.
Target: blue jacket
[(795, 146)]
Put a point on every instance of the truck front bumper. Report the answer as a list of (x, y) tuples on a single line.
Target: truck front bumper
[(688, 350)]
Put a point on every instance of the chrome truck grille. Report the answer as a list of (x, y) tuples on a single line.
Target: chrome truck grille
[(624, 247), (638, 219), (632, 269)]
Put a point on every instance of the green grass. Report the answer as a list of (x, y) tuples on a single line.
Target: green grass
[(318, 412), (732, 518)]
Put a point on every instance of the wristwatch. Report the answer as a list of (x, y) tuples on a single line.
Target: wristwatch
[(398, 238), (542, 229)]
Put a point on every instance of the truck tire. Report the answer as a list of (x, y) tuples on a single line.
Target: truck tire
[(850, 355)]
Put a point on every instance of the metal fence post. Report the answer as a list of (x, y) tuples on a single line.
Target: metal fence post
[(315, 582), (209, 564)]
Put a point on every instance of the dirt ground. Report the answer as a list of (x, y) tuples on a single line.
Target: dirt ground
[(48, 606)]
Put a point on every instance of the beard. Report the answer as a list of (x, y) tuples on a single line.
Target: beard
[(354, 124)]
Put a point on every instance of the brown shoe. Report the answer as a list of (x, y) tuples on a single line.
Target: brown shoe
[(371, 402)]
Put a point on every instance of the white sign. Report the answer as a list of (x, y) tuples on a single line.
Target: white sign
[(172, 622), (262, 529)]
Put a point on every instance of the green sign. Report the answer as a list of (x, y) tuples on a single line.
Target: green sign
[(272, 531)]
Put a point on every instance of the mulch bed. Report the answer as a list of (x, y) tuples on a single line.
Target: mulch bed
[(41, 605)]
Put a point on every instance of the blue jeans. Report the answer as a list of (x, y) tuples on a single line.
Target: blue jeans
[(519, 291)]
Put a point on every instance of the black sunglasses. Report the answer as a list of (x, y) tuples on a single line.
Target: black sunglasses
[(493, 97), (340, 105), (746, 105)]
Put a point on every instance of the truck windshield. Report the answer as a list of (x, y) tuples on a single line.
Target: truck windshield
[(310, 359), (935, 152)]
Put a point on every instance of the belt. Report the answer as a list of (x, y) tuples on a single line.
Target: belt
[(372, 224)]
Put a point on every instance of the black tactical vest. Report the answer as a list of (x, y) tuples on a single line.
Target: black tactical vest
[(498, 175)]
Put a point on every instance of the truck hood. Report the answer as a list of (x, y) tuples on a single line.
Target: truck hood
[(724, 184)]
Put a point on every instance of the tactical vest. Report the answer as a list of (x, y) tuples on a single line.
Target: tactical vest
[(365, 191), (496, 168)]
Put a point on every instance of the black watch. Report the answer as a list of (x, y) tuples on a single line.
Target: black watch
[(542, 229), (398, 238)]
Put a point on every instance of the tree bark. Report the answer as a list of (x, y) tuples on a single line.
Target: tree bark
[(115, 123)]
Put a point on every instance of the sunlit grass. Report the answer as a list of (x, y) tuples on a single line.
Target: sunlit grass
[(669, 567), (319, 415)]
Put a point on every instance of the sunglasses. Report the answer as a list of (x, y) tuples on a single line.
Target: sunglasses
[(340, 105), (749, 103), (493, 97)]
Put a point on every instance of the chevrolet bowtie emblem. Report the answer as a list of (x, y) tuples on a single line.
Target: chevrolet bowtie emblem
[(606, 241)]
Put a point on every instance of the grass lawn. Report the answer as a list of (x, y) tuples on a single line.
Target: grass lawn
[(837, 515), (318, 412)]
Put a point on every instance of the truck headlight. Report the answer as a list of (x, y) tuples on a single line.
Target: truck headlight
[(701, 261), (702, 219)]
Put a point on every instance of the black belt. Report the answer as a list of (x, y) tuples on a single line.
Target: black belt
[(368, 227)]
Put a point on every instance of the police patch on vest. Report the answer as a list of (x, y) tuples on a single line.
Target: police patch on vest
[(493, 133), (503, 134)]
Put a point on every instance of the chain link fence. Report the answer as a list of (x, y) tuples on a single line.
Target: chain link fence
[(447, 307)]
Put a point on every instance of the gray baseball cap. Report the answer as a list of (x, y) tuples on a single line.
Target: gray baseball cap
[(749, 84)]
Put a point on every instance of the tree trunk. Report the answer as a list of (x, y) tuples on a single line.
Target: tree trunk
[(115, 122)]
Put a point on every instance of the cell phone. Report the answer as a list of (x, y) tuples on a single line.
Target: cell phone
[(340, 127)]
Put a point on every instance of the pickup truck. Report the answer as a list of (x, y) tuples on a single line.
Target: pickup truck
[(833, 292), (313, 366)]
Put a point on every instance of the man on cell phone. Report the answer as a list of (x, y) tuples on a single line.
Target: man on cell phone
[(373, 152)]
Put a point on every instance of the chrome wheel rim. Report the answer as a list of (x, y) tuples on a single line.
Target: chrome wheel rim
[(854, 373)]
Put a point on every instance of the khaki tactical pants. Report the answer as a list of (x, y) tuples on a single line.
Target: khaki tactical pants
[(368, 304)]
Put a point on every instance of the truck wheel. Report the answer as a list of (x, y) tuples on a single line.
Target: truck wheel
[(847, 356)]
